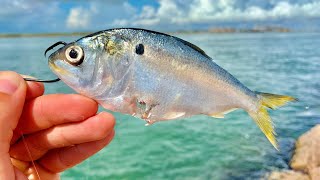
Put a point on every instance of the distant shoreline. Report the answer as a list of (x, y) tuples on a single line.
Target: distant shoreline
[(263, 29)]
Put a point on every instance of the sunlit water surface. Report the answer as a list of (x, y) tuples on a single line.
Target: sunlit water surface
[(202, 147)]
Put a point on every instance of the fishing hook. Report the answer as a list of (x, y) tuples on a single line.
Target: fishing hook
[(41, 80), (54, 45), (45, 53)]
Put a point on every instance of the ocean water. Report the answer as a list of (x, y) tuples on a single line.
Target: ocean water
[(202, 147)]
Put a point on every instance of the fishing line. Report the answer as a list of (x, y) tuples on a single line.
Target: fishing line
[(29, 153)]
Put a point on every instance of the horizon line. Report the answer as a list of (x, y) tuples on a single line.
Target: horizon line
[(214, 30)]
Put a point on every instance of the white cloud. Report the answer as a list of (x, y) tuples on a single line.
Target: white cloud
[(78, 18), (55, 16), (147, 12), (100, 15), (169, 10), (211, 11)]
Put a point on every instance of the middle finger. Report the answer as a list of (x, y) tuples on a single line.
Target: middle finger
[(92, 129)]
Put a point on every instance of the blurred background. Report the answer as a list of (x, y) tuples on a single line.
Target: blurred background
[(270, 46)]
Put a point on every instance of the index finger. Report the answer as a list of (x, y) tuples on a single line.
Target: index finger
[(34, 89), (49, 110)]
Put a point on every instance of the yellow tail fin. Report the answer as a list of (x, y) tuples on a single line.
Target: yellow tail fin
[(262, 118)]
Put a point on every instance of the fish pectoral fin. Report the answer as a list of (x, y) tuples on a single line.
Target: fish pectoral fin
[(144, 107), (173, 115), (221, 114)]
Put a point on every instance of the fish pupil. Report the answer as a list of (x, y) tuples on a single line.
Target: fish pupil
[(140, 49), (73, 54)]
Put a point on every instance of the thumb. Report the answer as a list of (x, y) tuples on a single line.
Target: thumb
[(12, 97)]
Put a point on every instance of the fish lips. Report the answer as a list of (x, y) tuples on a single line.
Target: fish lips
[(57, 62)]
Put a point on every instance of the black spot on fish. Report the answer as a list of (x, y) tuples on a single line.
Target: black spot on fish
[(140, 49)]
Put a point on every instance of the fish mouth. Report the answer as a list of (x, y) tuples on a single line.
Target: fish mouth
[(51, 61), (53, 64)]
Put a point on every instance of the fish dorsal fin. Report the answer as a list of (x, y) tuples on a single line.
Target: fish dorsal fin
[(196, 48)]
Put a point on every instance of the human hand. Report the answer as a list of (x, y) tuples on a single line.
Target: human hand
[(60, 131)]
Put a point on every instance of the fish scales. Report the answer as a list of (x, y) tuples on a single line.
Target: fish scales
[(196, 82)]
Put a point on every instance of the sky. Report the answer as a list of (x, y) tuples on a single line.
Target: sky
[(45, 16)]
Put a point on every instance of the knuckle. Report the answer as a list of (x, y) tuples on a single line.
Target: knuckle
[(104, 125)]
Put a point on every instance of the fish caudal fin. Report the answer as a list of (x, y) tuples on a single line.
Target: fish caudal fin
[(262, 118)]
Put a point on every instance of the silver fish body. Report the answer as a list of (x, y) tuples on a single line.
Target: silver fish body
[(157, 77)]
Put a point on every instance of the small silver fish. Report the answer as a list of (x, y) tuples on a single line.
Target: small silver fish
[(155, 77)]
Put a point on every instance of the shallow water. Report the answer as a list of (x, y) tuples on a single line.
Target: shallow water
[(202, 147)]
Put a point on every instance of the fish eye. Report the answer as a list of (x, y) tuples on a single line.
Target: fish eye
[(74, 55), (140, 49)]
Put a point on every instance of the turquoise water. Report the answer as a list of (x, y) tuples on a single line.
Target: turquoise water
[(203, 147)]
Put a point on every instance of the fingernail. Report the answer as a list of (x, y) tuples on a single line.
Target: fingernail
[(8, 86)]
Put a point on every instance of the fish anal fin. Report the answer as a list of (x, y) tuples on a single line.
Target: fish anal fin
[(221, 114)]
